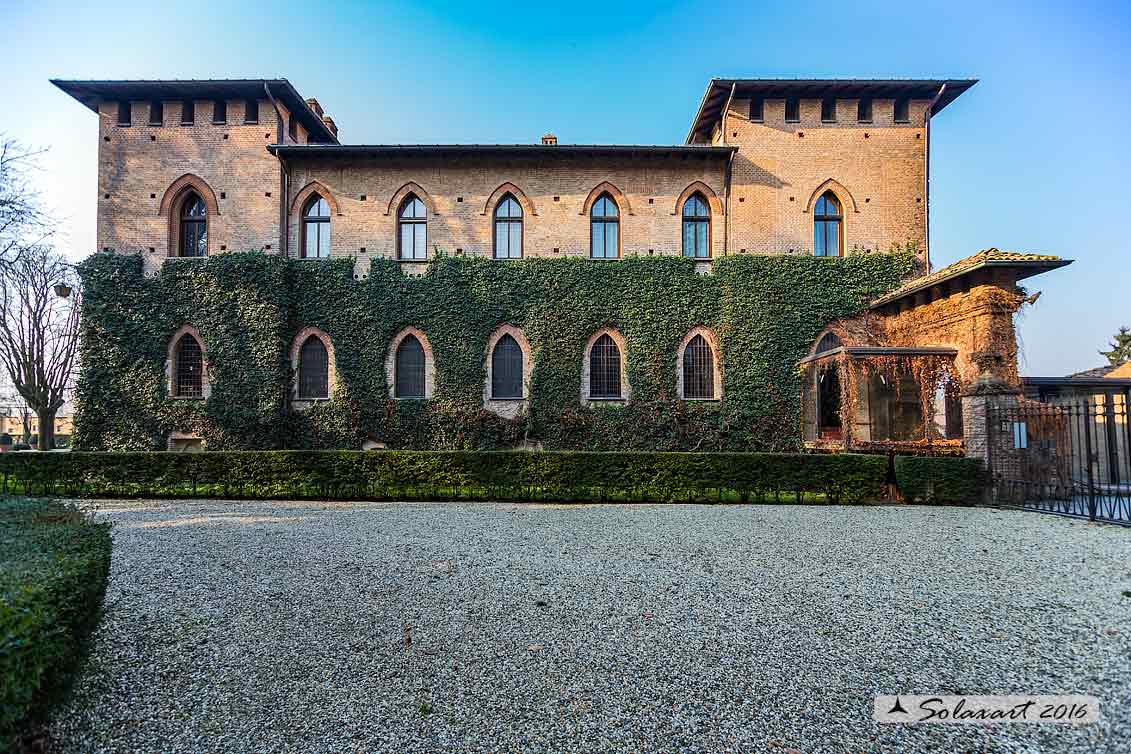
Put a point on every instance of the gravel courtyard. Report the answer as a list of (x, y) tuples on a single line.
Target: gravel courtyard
[(296, 627)]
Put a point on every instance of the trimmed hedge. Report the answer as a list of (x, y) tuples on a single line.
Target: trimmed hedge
[(449, 475), (54, 562), (940, 480)]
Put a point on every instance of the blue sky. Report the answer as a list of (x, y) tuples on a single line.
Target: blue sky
[(1033, 158)]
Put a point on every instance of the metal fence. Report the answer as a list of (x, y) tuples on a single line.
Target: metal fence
[(1066, 456)]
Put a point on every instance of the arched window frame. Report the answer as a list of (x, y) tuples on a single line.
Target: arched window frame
[(696, 214), (823, 220), (318, 225), (507, 407), (419, 219), (173, 365), (587, 398), (192, 221), (391, 363), (599, 218), (716, 364), (172, 207), (297, 343), (506, 224)]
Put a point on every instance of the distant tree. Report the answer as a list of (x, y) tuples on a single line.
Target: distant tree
[(1120, 352), (39, 331), (23, 222)]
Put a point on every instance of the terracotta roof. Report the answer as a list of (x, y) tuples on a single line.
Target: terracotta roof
[(90, 93), (719, 89), (1088, 374), (1026, 264)]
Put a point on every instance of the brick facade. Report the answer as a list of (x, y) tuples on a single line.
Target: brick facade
[(761, 198), (877, 170)]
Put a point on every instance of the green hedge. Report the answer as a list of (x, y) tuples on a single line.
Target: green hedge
[(940, 480), (449, 475), (54, 563)]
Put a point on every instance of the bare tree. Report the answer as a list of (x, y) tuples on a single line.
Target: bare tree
[(40, 304), (23, 221)]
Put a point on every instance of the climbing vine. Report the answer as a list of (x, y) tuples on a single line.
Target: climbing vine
[(765, 311)]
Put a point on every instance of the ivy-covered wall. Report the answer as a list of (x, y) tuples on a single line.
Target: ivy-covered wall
[(765, 311)]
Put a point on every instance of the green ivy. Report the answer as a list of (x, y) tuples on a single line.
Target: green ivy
[(765, 310)]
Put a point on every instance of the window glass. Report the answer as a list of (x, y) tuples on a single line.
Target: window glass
[(409, 378), (190, 368), (506, 369), (698, 369), (313, 369), (604, 369)]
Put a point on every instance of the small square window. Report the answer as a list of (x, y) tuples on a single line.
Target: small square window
[(188, 112), (828, 110), (792, 110), (864, 110), (219, 111), (902, 110), (251, 111), (757, 109), (156, 113), (125, 113)]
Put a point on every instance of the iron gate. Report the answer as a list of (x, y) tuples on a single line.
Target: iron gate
[(1067, 456)]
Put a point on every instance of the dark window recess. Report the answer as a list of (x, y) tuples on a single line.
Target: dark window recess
[(190, 368), (292, 129), (156, 113), (864, 110), (251, 111), (698, 369), (828, 110), (506, 369), (604, 228), (125, 113), (194, 226), (828, 342), (604, 369), (792, 110), (902, 110), (188, 112), (757, 109), (410, 369), (313, 369), (219, 111)]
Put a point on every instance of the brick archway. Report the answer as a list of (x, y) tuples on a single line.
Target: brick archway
[(314, 187), (513, 190), (411, 188), (707, 192), (602, 188), (178, 187), (837, 188)]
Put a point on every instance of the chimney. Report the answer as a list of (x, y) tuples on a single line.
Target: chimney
[(330, 124), (548, 139), (313, 103)]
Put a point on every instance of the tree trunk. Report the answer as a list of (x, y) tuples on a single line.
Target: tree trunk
[(46, 430), (27, 428)]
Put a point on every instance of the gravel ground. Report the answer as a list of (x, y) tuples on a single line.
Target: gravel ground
[(301, 627)]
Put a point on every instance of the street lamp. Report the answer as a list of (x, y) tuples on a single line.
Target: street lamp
[(62, 290)]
